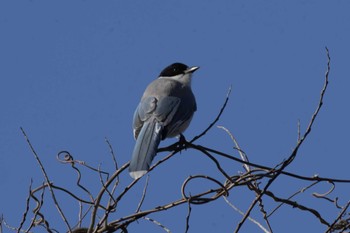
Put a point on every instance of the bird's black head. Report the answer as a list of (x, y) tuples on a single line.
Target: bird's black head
[(173, 69)]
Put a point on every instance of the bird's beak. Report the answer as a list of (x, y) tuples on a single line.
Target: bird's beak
[(192, 69)]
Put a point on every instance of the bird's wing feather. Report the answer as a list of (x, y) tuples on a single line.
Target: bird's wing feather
[(166, 109), (163, 109)]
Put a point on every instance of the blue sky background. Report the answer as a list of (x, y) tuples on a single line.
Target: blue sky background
[(72, 73)]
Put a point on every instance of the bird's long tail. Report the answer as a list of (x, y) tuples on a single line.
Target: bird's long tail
[(145, 148)]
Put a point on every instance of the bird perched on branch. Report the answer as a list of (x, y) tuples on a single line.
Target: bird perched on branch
[(165, 110)]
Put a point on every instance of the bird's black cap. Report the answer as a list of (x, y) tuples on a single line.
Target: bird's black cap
[(173, 69)]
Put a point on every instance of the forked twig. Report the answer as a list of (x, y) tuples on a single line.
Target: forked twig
[(46, 179), (295, 151)]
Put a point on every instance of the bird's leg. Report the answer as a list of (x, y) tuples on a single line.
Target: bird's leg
[(182, 140), (178, 146)]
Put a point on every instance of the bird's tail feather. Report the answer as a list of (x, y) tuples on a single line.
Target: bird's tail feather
[(145, 148)]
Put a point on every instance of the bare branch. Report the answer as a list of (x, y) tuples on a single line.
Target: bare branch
[(106, 217), (112, 154), (216, 119), (158, 224), (249, 218), (102, 191), (27, 208), (295, 151), (143, 195), (46, 179), (340, 224), (189, 210), (293, 195)]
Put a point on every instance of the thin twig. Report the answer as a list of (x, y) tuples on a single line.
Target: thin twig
[(214, 160), (332, 226), (198, 199), (103, 185), (313, 178), (294, 204), (321, 195), (293, 195), (216, 119), (111, 202), (79, 184), (243, 155), (27, 208), (143, 195), (158, 224), (112, 153), (101, 193), (68, 159), (65, 191), (189, 210), (5, 224), (295, 151), (249, 218), (80, 214), (46, 179)]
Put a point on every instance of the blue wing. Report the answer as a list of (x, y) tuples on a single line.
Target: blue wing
[(150, 118), (163, 110)]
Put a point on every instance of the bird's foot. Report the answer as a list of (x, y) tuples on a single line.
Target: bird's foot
[(182, 141)]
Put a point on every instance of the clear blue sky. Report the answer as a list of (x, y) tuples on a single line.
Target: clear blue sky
[(72, 73)]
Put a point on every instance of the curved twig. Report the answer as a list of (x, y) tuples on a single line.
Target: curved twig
[(46, 179)]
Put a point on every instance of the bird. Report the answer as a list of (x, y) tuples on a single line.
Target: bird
[(165, 110)]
